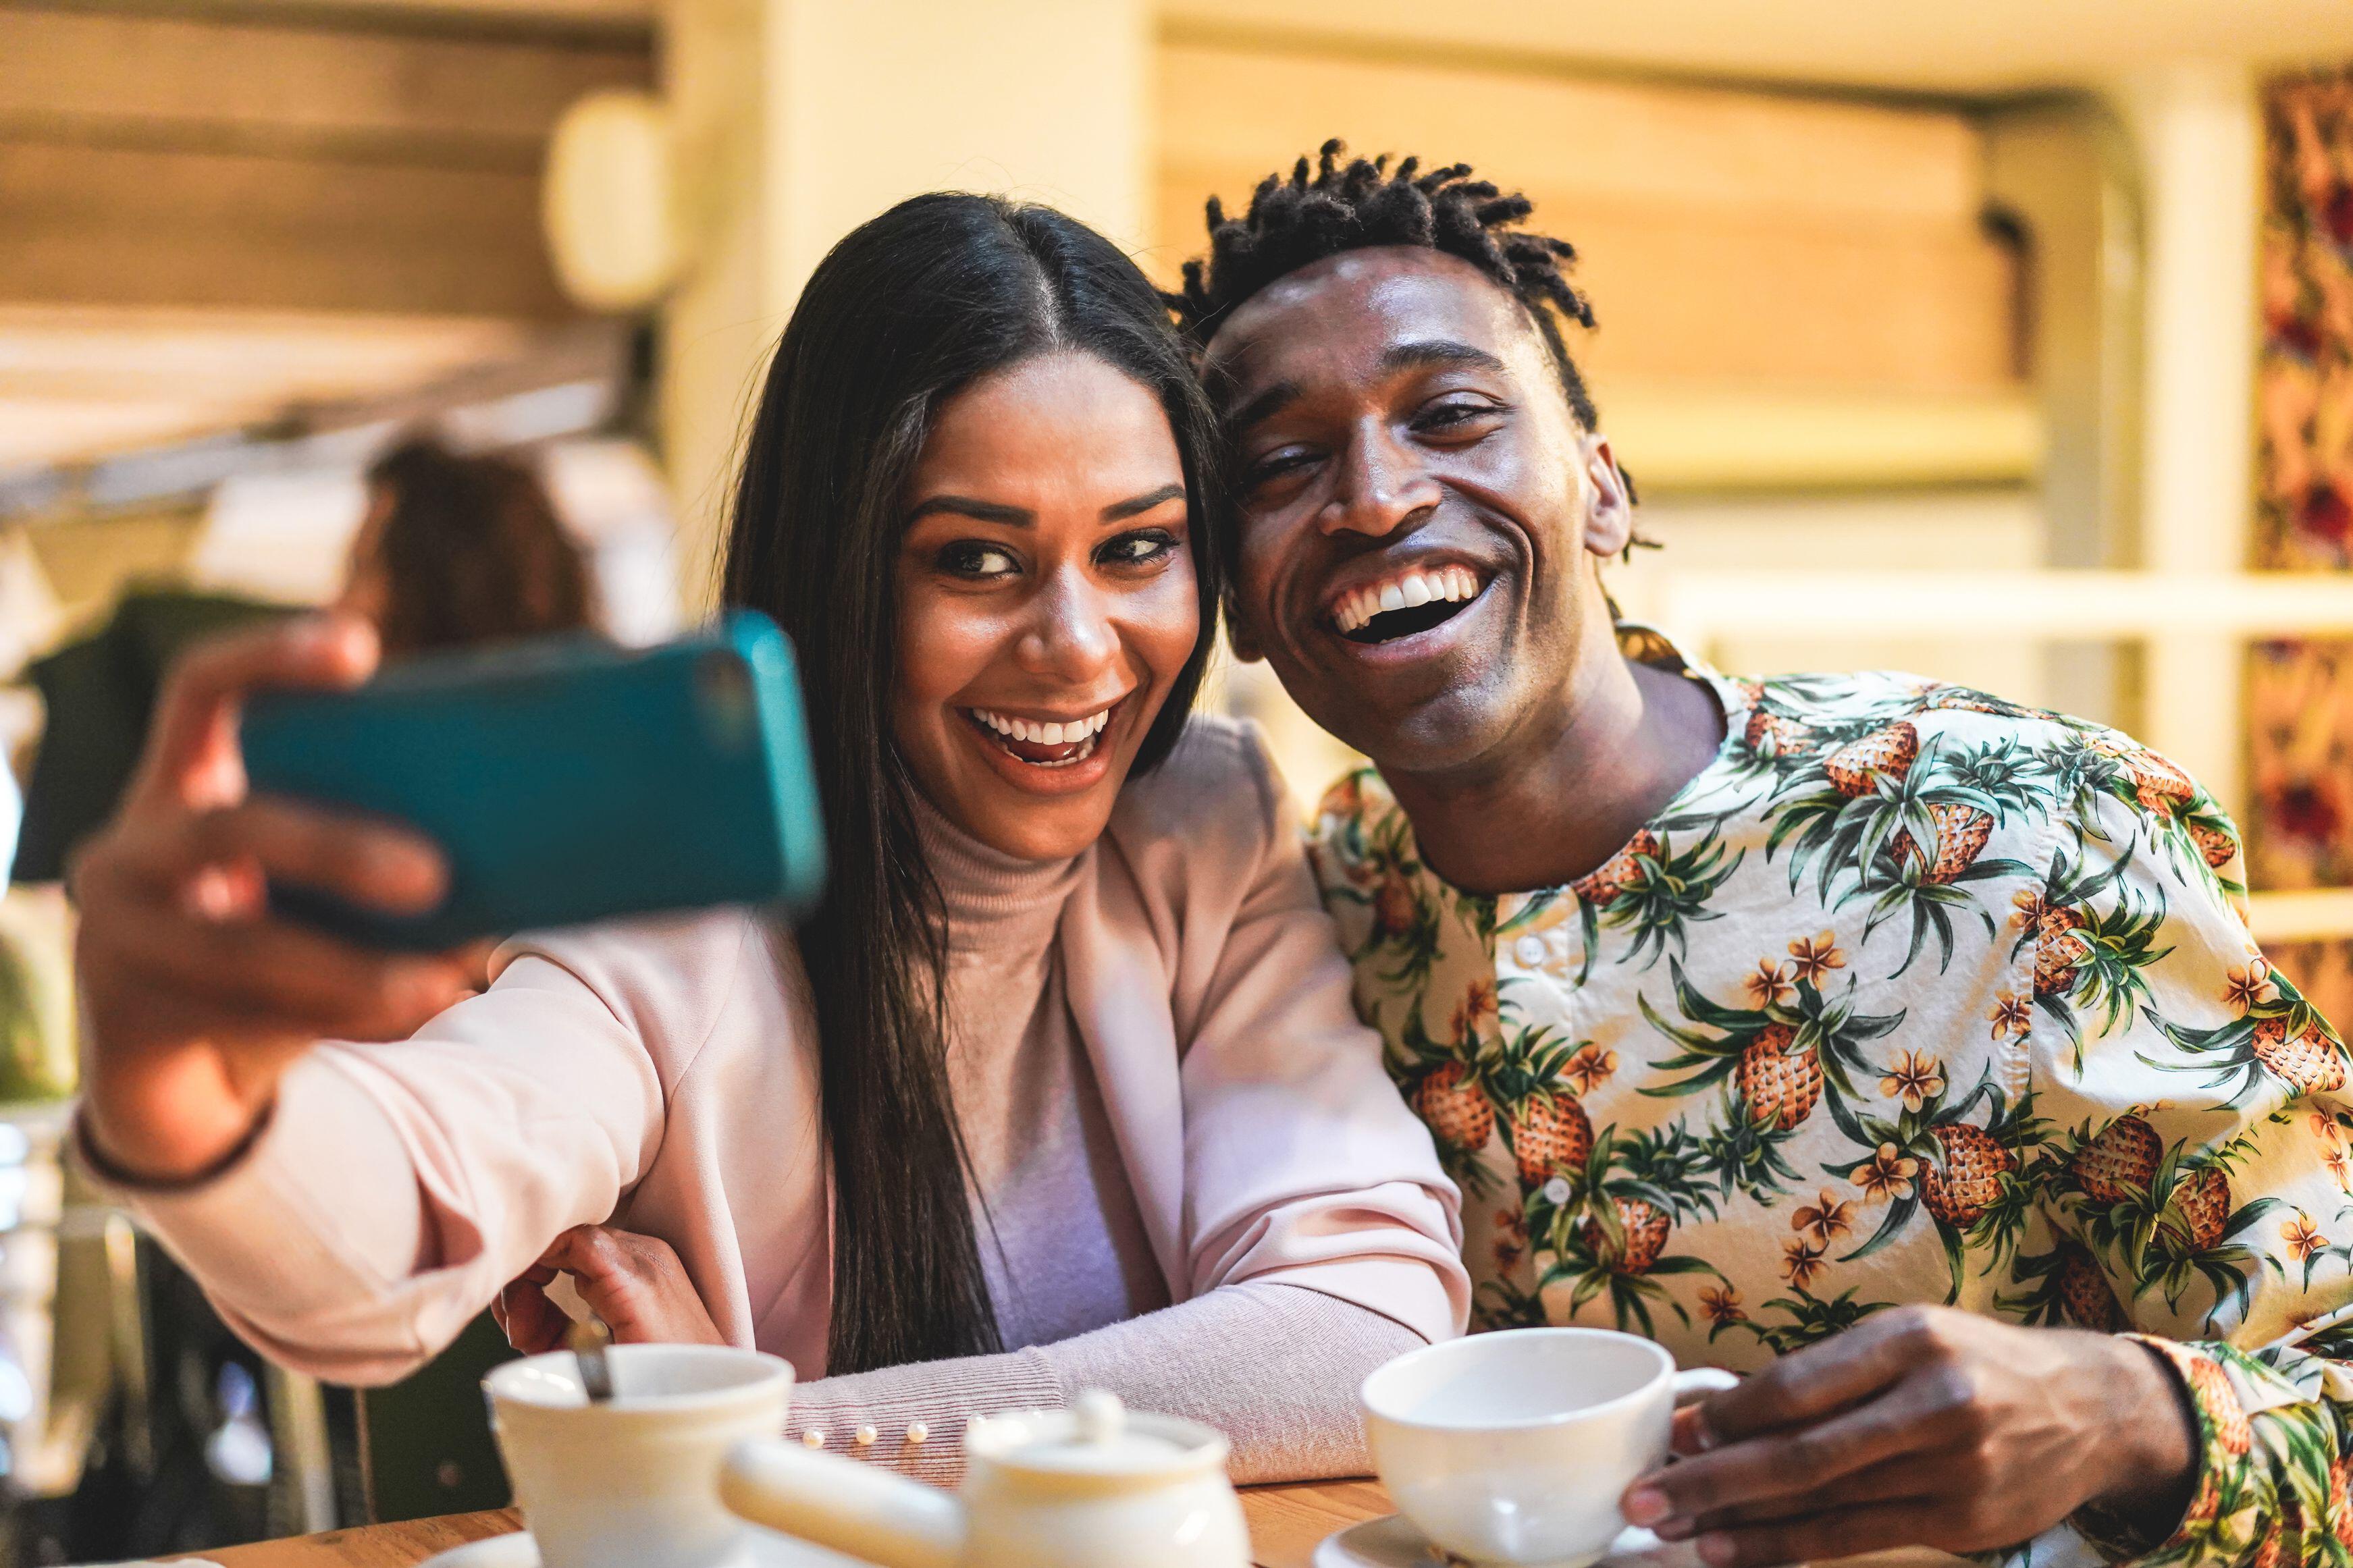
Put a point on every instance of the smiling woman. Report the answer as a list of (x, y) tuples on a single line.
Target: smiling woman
[(1061, 1087), (1043, 625), (942, 376)]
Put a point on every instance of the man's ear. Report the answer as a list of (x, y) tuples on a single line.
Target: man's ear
[(1609, 510)]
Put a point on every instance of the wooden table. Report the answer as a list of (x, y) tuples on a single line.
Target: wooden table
[(1286, 1524)]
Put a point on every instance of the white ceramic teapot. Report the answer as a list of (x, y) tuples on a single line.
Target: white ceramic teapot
[(1065, 1488)]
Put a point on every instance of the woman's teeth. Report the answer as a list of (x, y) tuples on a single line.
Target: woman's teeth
[(1043, 734), (1042, 743), (1446, 585)]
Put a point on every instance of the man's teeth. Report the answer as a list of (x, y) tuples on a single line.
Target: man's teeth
[(1043, 734), (1409, 592)]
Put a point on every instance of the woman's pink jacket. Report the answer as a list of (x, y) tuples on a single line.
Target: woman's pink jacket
[(662, 1075)]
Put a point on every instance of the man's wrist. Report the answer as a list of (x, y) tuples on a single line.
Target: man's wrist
[(2154, 1466)]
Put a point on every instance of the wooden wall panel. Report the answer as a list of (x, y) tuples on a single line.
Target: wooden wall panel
[(109, 227), (1732, 237), (1695, 146), (88, 73), (1686, 293), (184, 161)]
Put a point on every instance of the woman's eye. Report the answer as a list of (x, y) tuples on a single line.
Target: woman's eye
[(1138, 549), (977, 558)]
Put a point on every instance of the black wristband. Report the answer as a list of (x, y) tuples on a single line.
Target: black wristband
[(86, 1148)]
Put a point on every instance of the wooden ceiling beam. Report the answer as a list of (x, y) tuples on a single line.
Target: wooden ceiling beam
[(226, 163), (631, 24), (111, 226), (176, 77)]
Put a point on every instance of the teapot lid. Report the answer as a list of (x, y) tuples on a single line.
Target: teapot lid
[(1097, 1435)]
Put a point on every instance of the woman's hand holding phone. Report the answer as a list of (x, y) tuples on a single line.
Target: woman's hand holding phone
[(195, 997)]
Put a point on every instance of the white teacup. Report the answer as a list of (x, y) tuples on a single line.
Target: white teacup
[(1513, 1447), (633, 1483)]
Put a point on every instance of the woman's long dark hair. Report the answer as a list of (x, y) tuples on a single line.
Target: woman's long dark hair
[(906, 311)]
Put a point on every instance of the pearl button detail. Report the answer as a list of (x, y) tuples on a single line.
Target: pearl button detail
[(917, 1432), (813, 1438), (1556, 1190), (865, 1436), (1530, 951)]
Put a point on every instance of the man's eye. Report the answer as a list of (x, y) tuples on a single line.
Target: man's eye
[(975, 558), (1277, 463), (1138, 549), (1453, 413)]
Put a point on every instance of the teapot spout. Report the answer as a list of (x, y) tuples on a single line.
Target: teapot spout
[(860, 1509)]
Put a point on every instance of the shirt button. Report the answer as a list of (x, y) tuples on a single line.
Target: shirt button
[(1556, 1191), (1530, 951)]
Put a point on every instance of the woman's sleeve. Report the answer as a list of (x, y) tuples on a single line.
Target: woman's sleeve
[(1274, 1368), (397, 1188), (1303, 1165), (2197, 1181)]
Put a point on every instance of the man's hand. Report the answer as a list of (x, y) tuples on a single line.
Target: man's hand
[(1923, 1426), (634, 1282)]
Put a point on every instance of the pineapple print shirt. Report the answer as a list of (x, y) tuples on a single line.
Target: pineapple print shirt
[(1912, 995)]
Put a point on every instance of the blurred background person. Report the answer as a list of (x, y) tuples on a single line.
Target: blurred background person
[(458, 551)]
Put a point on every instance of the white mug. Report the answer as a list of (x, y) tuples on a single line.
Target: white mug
[(633, 1483), (1514, 1447)]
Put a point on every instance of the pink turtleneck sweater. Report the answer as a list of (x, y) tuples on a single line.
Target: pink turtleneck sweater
[(1061, 1240)]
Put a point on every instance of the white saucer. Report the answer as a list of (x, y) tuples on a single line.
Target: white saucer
[(516, 1548), (1394, 1542)]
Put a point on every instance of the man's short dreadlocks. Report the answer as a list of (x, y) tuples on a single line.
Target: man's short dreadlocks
[(1334, 206)]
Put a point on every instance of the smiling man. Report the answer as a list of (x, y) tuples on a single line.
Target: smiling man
[(1899, 1045)]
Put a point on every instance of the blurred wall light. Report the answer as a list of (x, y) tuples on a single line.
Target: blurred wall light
[(609, 201)]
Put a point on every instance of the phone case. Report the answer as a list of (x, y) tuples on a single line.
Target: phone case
[(567, 780)]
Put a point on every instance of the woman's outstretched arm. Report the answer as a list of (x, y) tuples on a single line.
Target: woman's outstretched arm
[(1274, 1366), (391, 1190)]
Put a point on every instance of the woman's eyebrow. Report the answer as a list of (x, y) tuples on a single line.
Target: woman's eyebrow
[(980, 511), (1120, 511)]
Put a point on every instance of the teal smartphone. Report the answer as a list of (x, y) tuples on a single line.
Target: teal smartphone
[(566, 779)]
